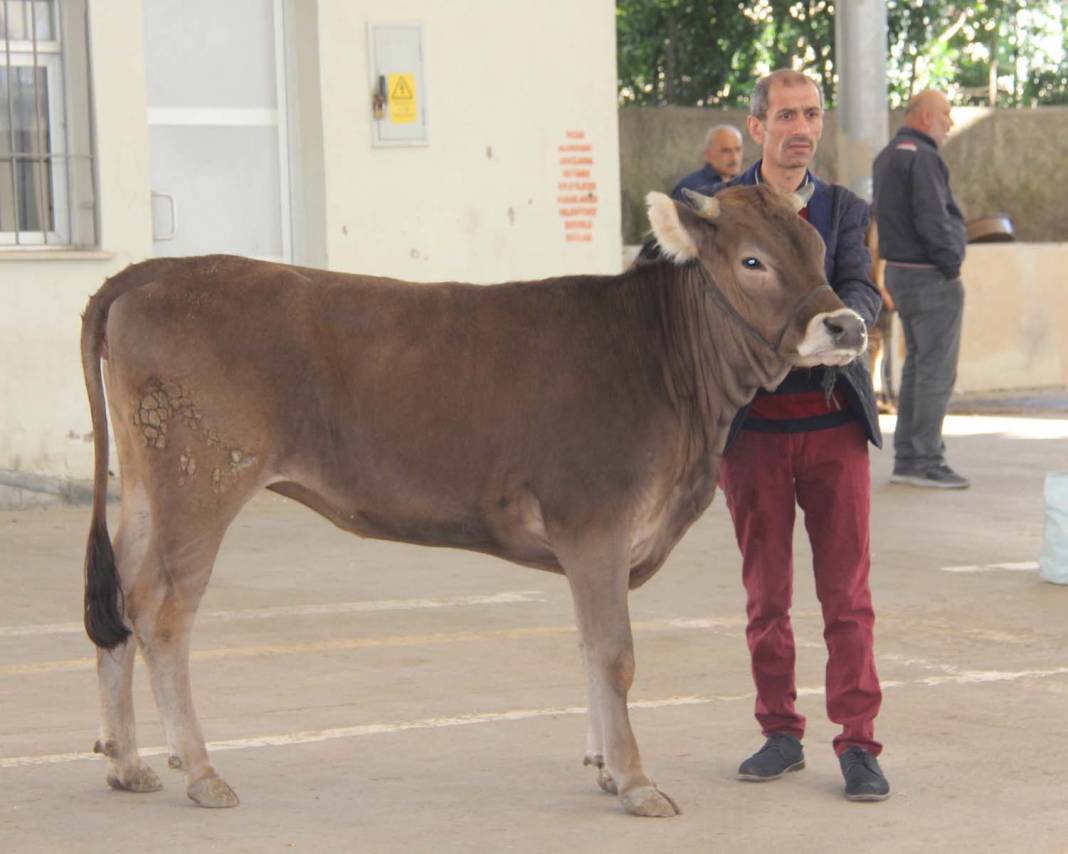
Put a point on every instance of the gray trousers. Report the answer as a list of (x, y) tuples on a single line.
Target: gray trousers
[(930, 307)]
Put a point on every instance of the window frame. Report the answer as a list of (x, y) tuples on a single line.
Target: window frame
[(56, 156), (73, 207)]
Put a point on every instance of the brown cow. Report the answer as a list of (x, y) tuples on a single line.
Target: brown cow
[(573, 425)]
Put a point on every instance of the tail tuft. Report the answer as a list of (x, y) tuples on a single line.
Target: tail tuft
[(104, 602)]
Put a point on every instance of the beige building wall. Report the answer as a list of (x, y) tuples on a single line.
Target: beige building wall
[(506, 83), (44, 418)]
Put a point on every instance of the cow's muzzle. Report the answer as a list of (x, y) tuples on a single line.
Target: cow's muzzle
[(833, 338)]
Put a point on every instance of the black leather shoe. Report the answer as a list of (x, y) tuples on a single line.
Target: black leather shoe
[(781, 753), (864, 780), (937, 477)]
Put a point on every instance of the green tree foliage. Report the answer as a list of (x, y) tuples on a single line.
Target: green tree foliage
[(708, 52), (1010, 51)]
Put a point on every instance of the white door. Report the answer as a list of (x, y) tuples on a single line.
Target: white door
[(216, 117)]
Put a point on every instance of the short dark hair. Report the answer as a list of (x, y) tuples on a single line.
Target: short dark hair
[(761, 97)]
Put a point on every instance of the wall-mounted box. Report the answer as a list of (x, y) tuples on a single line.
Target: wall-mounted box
[(398, 96)]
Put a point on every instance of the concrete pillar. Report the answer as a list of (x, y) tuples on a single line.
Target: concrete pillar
[(860, 50), (304, 122)]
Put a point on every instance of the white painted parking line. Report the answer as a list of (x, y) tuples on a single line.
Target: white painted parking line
[(508, 598), (951, 674), (1022, 566), (312, 736), (955, 677)]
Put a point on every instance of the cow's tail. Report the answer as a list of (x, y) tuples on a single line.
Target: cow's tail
[(104, 603)]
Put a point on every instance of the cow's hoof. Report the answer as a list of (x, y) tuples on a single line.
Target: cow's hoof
[(650, 802), (139, 779), (213, 793)]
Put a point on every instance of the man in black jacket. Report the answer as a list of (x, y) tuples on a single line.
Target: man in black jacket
[(921, 236), (806, 443)]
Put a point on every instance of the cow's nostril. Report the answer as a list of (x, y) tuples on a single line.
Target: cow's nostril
[(836, 329)]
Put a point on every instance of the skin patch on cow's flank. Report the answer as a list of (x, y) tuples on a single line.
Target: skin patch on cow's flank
[(158, 402), (225, 476)]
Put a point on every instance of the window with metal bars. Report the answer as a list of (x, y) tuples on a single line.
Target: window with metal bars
[(46, 163)]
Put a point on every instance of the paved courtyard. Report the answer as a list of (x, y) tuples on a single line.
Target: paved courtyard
[(366, 696)]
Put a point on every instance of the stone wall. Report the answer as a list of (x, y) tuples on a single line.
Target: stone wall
[(1001, 161)]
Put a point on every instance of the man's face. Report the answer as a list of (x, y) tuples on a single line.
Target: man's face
[(724, 153), (793, 126), (941, 120)]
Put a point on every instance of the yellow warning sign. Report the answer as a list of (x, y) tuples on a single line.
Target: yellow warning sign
[(402, 102)]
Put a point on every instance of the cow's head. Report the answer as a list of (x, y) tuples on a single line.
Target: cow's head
[(767, 263)]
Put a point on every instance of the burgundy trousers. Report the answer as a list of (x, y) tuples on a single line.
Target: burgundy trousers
[(827, 473)]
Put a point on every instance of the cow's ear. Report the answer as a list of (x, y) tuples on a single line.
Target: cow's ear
[(674, 227)]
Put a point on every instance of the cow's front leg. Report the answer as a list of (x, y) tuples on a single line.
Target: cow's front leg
[(595, 732), (599, 587)]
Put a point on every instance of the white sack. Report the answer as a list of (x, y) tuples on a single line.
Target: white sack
[(1053, 563)]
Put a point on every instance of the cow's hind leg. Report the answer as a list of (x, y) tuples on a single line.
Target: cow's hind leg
[(182, 543), (166, 597), (598, 578), (118, 739)]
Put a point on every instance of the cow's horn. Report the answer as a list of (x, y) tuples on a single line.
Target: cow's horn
[(707, 206), (799, 198)]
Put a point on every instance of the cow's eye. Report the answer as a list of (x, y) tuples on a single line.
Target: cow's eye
[(752, 264)]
